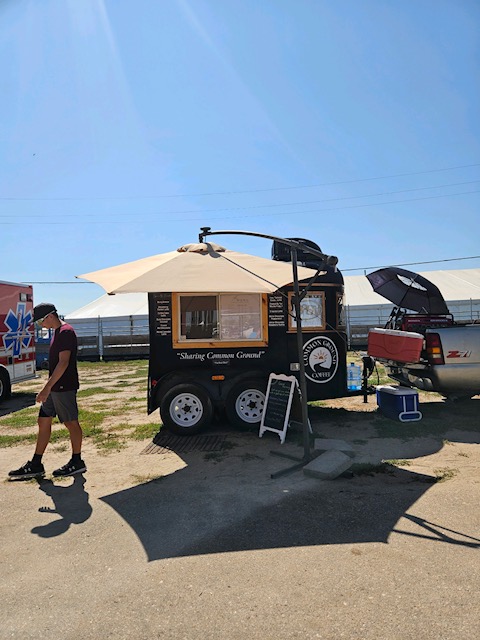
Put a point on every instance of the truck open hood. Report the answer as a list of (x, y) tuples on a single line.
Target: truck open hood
[(408, 290)]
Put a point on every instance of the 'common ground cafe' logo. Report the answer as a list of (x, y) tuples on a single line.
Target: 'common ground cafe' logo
[(320, 357)]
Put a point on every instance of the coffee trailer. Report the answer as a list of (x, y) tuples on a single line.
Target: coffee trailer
[(213, 353)]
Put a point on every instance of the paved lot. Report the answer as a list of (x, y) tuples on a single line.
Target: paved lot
[(207, 546)]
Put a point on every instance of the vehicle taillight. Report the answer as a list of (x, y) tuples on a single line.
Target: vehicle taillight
[(434, 349)]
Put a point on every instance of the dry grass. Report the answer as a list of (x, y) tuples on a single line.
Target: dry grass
[(112, 401)]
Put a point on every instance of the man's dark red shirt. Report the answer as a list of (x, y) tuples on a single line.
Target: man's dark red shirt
[(64, 339)]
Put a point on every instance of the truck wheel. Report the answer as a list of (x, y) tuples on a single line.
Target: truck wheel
[(185, 409), (5, 388), (245, 402)]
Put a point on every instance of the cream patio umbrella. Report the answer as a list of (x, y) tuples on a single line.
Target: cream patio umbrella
[(203, 267)]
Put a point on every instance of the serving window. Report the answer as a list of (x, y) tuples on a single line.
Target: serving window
[(312, 312), (201, 320)]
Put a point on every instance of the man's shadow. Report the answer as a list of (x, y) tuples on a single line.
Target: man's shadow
[(70, 503)]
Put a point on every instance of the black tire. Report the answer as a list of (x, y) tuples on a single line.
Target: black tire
[(186, 409), (5, 386), (245, 402)]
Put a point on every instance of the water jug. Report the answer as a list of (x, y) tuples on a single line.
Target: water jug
[(354, 377)]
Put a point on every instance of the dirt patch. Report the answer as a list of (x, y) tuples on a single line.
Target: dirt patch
[(179, 539), (112, 400)]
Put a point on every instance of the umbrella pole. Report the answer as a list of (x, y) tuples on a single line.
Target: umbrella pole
[(303, 384), (332, 261), (303, 380)]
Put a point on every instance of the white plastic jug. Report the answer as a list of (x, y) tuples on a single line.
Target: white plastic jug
[(354, 377)]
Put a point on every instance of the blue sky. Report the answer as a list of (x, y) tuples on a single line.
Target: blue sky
[(127, 125)]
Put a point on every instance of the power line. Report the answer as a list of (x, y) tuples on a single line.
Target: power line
[(404, 264), (409, 264), (259, 206), (220, 193), (256, 215)]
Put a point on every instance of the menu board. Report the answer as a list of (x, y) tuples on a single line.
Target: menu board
[(276, 310), (163, 314), (278, 402)]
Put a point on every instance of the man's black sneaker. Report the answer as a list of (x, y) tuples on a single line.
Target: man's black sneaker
[(29, 470), (70, 469)]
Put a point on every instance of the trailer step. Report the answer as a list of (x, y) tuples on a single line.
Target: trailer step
[(164, 442)]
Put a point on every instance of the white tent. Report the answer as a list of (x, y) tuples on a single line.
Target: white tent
[(126, 314), (118, 306), (455, 285), (116, 326)]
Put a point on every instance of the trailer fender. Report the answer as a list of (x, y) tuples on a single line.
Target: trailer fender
[(166, 383), (218, 390)]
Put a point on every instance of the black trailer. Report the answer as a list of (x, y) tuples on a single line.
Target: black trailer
[(213, 353)]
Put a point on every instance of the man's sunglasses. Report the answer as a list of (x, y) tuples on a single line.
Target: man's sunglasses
[(41, 320)]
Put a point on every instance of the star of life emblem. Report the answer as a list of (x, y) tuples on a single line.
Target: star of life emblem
[(18, 336)]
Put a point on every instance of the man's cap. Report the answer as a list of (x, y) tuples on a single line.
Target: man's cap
[(43, 309)]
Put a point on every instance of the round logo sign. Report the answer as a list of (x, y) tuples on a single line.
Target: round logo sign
[(320, 357)]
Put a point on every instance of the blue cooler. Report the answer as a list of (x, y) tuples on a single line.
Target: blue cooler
[(398, 403)]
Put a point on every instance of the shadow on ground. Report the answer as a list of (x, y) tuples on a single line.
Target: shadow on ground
[(182, 514), (17, 402), (439, 418), (71, 505), (207, 508)]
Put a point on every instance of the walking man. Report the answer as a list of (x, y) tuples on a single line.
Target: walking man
[(58, 397)]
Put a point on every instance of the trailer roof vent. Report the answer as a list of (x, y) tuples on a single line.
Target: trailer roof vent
[(201, 247)]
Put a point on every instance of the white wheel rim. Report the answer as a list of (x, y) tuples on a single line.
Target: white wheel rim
[(186, 410), (249, 405)]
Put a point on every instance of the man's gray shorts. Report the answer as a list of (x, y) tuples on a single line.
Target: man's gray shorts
[(62, 404)]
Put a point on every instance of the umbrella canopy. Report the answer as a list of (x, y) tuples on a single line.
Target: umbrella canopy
[(203, 267), (408, 290)]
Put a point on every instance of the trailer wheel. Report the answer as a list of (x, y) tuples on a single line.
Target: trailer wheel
[(185, 409), (245, 402), (5, 388)]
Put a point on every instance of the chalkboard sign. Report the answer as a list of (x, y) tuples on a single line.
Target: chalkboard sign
[(278, 402)]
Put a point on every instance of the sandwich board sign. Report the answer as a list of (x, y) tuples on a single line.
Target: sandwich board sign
[(282, 405)]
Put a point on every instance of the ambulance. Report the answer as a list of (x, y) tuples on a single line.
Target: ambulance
[(17, 342)]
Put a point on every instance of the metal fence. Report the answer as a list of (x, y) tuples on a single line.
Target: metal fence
[(128, 336), (112, 338)]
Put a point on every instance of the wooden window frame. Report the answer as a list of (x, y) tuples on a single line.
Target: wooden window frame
[(177, 343), (292, 325)]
